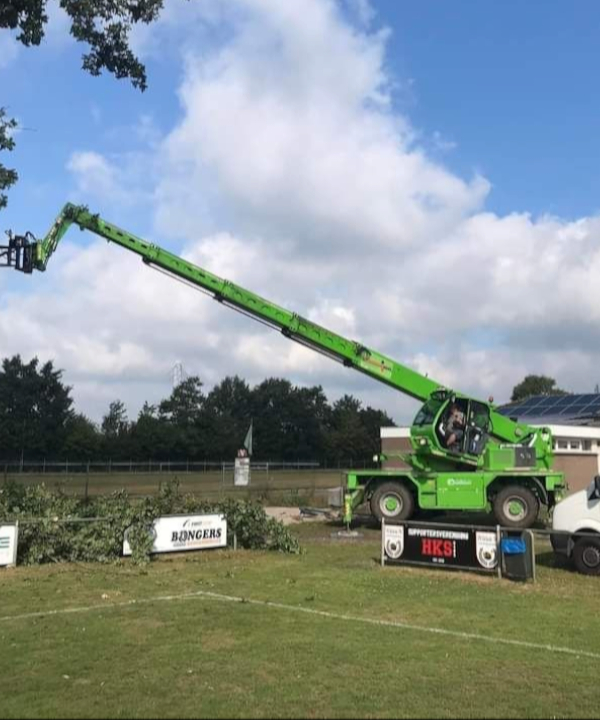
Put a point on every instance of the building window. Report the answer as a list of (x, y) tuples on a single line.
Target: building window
[(587, 445), (562, 444), (575, 444)]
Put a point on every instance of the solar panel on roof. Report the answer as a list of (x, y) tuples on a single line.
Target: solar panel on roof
[(561, 407), (564, 405), (543, 402), (590, 409)]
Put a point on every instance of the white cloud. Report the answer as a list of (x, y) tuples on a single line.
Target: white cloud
[(290, 173), (292, 120), (93, 173), (122, 181)]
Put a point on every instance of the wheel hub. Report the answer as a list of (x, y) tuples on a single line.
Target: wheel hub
[(515, 509), (591, 557), (391, 505)]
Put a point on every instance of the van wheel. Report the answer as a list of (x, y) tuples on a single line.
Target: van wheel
[(586, 555), (516, 506), (392, 501)]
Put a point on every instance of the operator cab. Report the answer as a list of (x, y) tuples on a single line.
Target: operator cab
[(460, 425)]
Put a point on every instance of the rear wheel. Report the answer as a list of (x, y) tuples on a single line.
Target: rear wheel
[(586, 555), (516, 506), (392, 501)]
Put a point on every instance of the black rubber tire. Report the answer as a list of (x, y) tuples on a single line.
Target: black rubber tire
[(517, 494), (586, 555), (405, 502)]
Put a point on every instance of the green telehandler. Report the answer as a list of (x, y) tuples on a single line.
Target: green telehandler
[(466, 456)]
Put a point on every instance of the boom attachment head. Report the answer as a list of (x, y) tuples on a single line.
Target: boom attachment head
[(20, 253)]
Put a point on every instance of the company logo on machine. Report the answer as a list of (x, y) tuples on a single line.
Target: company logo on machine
[(374, 361), (486, 549), (459, 482), (176, 533), (393, 542)]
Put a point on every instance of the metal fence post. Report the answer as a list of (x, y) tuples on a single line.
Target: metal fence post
[(533, 558), (498, 539)]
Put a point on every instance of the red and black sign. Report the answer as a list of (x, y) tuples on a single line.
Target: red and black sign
[(449, 545)]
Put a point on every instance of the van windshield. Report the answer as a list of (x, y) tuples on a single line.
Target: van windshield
[(428, 412)]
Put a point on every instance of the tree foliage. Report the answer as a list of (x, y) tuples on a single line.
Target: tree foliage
[(35, 409), (105, 25), (8, 177), (536, 385), (53, 527), (290, 423)]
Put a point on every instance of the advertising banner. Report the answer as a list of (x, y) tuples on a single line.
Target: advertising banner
[(446, 545), (241, 473), (9, 536), (178, 533)]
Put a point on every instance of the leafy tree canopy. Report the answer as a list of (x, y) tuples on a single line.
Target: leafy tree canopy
[(536, 385), (8, 177), (103, 24)]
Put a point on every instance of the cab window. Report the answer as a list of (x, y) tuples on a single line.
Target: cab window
[(428, 412)]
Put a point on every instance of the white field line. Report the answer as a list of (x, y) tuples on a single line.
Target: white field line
[(204, 594)]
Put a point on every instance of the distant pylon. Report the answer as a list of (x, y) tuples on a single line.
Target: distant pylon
[(179, 374)]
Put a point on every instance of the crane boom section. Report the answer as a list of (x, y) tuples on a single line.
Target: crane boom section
[(294, 326)]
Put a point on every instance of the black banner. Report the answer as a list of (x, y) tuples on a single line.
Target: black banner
[(448, 545)]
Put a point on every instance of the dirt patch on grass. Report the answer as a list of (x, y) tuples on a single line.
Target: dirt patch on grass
[(296, 515)]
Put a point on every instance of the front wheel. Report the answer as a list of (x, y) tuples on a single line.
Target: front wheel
[(516, 507), (586, 555), (391, 502)]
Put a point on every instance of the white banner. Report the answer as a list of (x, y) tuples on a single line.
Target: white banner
[(9, 536), (393, 541), (177, 533), (241, 474), (487, 549)]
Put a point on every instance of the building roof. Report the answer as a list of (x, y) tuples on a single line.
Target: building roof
[(555, 409)]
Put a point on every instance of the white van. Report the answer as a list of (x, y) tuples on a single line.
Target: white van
[(576, 520)]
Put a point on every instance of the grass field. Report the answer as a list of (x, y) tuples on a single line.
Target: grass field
[(279, 486), (316, 653)]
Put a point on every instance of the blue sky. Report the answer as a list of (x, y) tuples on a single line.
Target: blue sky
[(509, 86), (488, 112), (513, 84)]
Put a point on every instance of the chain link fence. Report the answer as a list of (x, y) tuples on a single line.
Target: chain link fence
[(274, 482)]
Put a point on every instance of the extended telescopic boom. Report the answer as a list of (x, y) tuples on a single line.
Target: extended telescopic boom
[(26, 253)]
